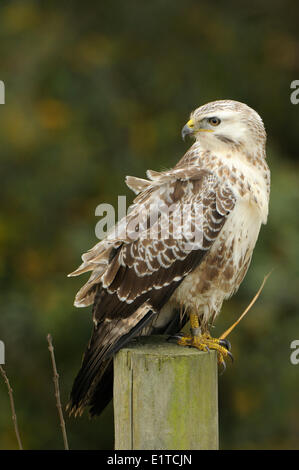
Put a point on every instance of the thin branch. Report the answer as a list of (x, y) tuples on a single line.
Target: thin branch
[(12, 406), (230, 329), (57, 393)]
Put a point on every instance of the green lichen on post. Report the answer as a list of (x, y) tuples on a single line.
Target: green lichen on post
[(165, 397)]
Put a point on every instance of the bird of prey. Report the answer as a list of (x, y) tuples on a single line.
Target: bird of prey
[(184, 247)]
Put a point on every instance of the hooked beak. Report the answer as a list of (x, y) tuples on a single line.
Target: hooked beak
[(188, 129)]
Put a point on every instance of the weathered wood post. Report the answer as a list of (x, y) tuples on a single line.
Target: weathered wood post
[(165, 397)]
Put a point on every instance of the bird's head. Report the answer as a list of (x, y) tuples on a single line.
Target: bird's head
[(226, 123)]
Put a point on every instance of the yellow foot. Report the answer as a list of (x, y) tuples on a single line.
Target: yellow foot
[(205, 342)]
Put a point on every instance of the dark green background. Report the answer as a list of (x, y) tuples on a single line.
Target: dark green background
[(99, 90)]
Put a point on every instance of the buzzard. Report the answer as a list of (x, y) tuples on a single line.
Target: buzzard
[(183, 248)]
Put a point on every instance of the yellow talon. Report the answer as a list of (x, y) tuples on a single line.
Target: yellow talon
[(205, 342)]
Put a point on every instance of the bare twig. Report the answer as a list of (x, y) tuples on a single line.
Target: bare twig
[(230, 329), (12, 406), (57, 393)]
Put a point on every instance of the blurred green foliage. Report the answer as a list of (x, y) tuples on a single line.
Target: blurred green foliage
[(99, 90)]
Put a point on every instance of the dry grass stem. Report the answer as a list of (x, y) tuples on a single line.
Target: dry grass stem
[(57, 392), (12, 406), (230, 329)]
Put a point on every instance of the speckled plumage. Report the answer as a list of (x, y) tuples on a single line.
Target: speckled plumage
[(141, 284)]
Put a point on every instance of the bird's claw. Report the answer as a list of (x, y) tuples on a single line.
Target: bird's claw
[(226, 344), (205, 342)]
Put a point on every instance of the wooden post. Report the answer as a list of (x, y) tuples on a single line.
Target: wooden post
[(165, 396)]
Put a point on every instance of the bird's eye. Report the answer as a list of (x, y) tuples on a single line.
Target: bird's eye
[(214, 121)]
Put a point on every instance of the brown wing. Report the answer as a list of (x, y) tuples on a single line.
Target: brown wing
[(136, 269)]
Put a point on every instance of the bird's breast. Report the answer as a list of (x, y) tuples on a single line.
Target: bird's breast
[(223, 268)]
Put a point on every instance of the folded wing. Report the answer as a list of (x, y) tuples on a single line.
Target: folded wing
[(172, 224)]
